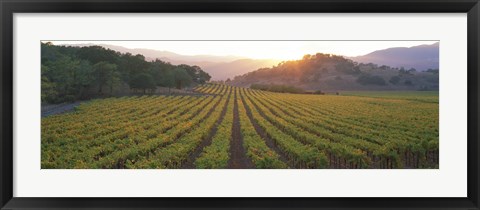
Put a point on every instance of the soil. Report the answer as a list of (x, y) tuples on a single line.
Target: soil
[(268, 141), (238, 158), (53, 109), (189, 164)]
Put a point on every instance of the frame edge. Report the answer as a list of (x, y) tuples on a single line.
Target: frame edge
[(6, 131)]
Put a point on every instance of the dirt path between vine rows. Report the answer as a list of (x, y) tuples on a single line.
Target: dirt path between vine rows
[(238, 157), (268, 141), (189, 164), (54, 109)]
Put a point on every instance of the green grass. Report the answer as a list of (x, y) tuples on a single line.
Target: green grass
[(421, 96)]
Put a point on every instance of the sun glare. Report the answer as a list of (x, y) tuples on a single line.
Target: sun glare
[(278, 50)]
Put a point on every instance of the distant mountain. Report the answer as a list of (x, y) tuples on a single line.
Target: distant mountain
[(154, 54), (420, 57), (238, 67), (227, 70), (219, 67)]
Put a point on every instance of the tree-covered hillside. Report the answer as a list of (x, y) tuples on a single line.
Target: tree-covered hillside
[(327, 72), (78, 73)]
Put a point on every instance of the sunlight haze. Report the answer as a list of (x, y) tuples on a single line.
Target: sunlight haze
[(279, 50)]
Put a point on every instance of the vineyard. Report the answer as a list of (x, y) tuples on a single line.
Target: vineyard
[(232, 127)]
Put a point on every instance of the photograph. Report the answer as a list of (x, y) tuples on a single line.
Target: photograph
[(269, 104), (240, 104)]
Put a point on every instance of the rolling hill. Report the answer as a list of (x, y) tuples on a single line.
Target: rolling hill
[(422, 57), (327, 72)]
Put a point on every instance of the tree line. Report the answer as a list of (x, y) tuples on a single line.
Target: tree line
[(277, 88), (77, 73)]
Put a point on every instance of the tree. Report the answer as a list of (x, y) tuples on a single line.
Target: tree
[(48, 89), (114, 81), (203, 77), (63, 72), (345, 66), (84, 79), (168, 79), (72, 73), (104, 72), (196, 73), (143, 81), (159, 70), (434, 71), (182, 78), (367, 79), (130, 66), (277, 88), (394, 80), (96, 54), (402, 71)]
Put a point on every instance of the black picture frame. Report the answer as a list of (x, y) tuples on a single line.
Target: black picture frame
[(9, 7)]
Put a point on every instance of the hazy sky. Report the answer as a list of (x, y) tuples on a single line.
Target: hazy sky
[(284, 50)]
